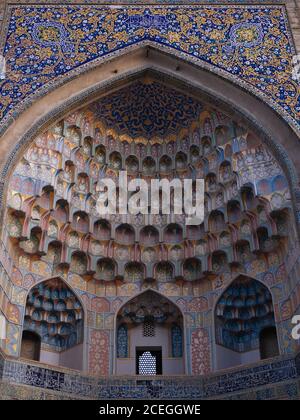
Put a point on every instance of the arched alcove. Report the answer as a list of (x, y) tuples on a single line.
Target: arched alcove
[(53, 329), (149, 337), (120, 244), (245, 326)]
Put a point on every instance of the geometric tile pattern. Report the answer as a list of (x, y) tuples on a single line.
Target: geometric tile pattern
[(267, 380)]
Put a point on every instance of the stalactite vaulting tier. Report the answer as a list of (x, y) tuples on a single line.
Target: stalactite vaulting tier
[(52, 215)]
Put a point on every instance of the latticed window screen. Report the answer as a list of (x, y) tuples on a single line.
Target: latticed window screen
[(147, 364), (149, 329)]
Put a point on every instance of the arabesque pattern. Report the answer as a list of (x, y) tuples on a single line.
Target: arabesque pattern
[(249, 44)]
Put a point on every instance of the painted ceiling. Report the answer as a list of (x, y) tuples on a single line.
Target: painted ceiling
[(147, 109)]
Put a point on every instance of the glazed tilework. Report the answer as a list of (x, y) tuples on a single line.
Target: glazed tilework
[(278, 379), (249, 44), (288, 390), (122, 340), (146, 1), (177, 341), (147, 110)]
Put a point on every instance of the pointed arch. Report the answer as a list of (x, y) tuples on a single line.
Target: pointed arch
[(56, 313), (241, 313), (142, 316)]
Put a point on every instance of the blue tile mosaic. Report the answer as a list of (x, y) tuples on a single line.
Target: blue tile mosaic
[(250, 44)]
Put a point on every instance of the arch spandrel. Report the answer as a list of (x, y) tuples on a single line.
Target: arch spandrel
[(157, 26)]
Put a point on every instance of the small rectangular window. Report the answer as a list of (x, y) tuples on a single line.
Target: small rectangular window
[(149, 329)]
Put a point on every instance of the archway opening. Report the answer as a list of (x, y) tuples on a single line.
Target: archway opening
[(49, 227), (149, 337), (31, 346), (245, 324), (53, 329), (268, 343)]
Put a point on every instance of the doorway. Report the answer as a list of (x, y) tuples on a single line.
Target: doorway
[(268, 343), (149, 361), (31, 346)]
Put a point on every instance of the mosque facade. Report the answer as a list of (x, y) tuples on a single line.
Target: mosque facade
[(145, 305)]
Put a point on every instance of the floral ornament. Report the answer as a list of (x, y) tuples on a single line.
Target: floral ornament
[(52, 34), (147, 21), (212, 34), (244, 34)]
